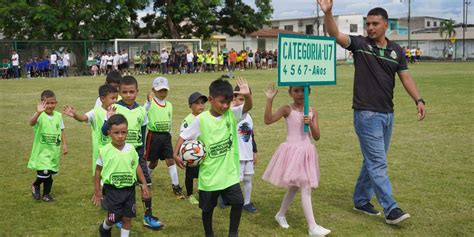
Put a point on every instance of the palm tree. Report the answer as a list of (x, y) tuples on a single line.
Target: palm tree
[(447, 30)]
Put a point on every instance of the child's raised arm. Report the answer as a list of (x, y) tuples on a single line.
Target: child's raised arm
[(270, 117), (40, 108), (71, 112), (245, 91)]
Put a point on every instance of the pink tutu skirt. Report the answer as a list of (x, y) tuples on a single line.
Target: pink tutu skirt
[(293, 164)]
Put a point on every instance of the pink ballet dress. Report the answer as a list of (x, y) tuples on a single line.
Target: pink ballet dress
[(295, 162)]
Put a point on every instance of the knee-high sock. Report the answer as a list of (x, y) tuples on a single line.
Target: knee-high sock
[(247, 188), (188, 181), (173, 174), (235, 214), (207, 222), (308, 207), (147, 205), (48, 184), (285, 203)]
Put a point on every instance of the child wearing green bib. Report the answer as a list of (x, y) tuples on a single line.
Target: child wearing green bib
[(117, 166), (46, 151), (96, 117), (137, 119), (219, 172), (158, 139)]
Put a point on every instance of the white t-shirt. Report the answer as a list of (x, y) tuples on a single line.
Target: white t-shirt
[(125, 58), (117, 59), (193, 131), (66, 60), (103, 60), (110, 58), (53, 58), (15, 59), (189, 57), (164, 57), (244, 134)]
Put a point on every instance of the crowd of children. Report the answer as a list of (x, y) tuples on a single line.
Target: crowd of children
[(128, 140)]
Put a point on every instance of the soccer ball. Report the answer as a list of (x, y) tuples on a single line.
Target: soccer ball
[(192, 152)]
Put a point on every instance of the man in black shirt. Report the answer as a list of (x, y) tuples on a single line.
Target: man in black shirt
[(376, 61)]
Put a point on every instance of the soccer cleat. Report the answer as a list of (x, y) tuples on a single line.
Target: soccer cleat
[(368, 209), (35, 192), (48, 198), (152, 222), (318, 231), (178, 191), (103, 232), (250, 208), (282, 221), (193, 200), (396, 216)]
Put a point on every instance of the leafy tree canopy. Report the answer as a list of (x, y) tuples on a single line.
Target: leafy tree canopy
[(187, 18), (68, 20)]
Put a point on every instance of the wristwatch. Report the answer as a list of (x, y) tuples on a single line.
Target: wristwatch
[(420, 100)]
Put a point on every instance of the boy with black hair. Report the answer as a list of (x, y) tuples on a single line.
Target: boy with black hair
[(45, 154), (158, 141), (196, 103), (113, 78), (137, 121), (96, 117), (117, 166), (219, 171)]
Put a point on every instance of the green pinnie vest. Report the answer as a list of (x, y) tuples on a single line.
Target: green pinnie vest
[(135, 118), (119, 168), (98, 139), (46, 149), (160, 117), (221, 165)]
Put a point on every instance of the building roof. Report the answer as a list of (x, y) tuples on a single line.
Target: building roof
[(271, 33)]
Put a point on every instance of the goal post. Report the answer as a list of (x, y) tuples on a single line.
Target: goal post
[(137, 45)]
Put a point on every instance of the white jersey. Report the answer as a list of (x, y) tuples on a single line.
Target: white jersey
[(15, 59), (244, 134), (125, 58)]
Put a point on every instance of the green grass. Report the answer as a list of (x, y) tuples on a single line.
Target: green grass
[(430, 162)]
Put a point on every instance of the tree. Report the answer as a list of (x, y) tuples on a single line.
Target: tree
[(188, 18), (447, 30), (68, 20)]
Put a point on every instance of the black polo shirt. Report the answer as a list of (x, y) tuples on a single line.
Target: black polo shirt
[(374, 76)]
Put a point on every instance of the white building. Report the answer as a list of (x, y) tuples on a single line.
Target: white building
[(267, 38)]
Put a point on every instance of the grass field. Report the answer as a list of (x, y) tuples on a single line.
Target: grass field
[(430, 162)]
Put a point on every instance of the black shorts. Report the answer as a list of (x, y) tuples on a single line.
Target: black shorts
[(158, 146), (45, 173), (192, 172), (143, 165), (120, 202), (232, 194)]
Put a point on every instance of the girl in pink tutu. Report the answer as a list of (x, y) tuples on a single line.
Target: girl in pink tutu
[(295, 164)]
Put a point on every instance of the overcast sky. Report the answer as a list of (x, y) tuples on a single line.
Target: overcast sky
[(449, 9)]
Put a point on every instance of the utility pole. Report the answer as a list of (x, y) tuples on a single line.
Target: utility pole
[(317, 19), (465, 11), (409, 28)]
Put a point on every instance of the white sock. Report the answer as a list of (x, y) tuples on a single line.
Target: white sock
[(173, 174), (124, 232), (106, 227), (247, 188), (308, 207)]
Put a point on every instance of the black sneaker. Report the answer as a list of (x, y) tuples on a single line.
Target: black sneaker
[(250, 208), (368, 209), (48, 198), (178, 191), (103, 232), (35, 192), (396, 216)]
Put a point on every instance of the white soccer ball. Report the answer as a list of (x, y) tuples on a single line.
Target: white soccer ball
[(192, 152)]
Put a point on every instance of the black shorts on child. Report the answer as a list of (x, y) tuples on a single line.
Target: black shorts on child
[(232, 194), (192, 172), (120, 202), (158, 146)]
